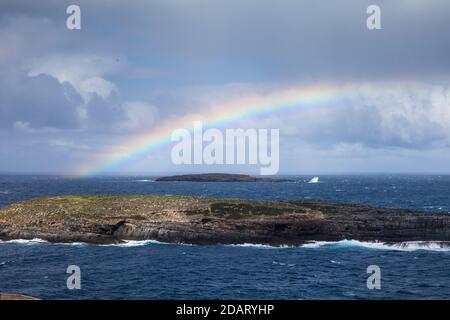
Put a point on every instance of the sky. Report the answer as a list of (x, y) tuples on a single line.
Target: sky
[(72, 99)]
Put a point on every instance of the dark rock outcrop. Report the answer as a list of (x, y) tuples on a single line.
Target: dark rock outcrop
[(10, 296), (219, 177)]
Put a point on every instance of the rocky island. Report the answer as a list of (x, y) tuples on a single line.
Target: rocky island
[(219, 177), (202, 220)]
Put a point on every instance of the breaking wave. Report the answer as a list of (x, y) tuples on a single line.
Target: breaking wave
[(343, 244), (133, 243), (401, 246), (314, 180), (257, 246), (140, 243), (25, 241)]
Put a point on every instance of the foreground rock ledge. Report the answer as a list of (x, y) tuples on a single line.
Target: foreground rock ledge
[(9, 296), (200, 220)]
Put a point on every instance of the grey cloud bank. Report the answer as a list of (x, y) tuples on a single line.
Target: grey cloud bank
[(66, 95)]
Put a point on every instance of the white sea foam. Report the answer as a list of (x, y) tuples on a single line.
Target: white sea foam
[(251, 245), (401, 246), (75, 244), (136, 243), (126, 243), (140, 243), (25, 241), (258, 246), (145, 180), (283, 264), (314, 180)]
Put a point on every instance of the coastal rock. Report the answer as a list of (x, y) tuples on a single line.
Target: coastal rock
[(201, 220), (9, 296)]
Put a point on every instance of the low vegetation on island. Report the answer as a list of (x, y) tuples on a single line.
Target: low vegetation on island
[(203, 220)]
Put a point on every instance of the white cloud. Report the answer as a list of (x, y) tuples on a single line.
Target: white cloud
[(96, 85), (67, 144), (85, 73), (412, 115), (140, 115), (23, 126)]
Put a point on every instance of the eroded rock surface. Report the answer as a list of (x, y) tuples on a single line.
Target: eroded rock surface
[(201, 220)]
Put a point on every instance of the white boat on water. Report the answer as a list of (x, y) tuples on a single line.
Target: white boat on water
[(314, 180)]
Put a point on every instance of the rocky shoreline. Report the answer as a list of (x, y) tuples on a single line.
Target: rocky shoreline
[(200, 220)]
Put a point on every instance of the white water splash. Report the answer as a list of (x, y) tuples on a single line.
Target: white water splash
[(136, 243), (140, 243), (441, 246), (401, 246), (26, 241), (75, 244), (257, 246), (314, 180)]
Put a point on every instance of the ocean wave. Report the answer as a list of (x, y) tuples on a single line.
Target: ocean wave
[(4, 191), (343, 244), (401, 246), (75, 244), (258, 246), (126, 243), (140, 243), (144, 180), (25, 241), (251, 245), (283, 264), (132, 243), (314, 180)]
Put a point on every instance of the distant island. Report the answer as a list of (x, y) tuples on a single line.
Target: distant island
[(203, 220), (219, 177)]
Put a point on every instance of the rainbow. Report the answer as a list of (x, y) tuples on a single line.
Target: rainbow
[(246, 108)]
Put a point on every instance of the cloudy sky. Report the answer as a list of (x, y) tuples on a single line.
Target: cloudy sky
[(68, 97)]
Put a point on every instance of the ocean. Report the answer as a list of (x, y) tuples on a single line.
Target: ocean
[(154, 270)]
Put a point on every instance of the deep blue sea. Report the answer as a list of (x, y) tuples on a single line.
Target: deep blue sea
[(151, 270)]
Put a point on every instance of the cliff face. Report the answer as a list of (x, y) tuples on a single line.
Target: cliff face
[(199, 220), (326, 222)]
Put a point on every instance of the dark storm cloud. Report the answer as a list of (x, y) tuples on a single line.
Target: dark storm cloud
[(51, 77), (39, 101), (244, 40)]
